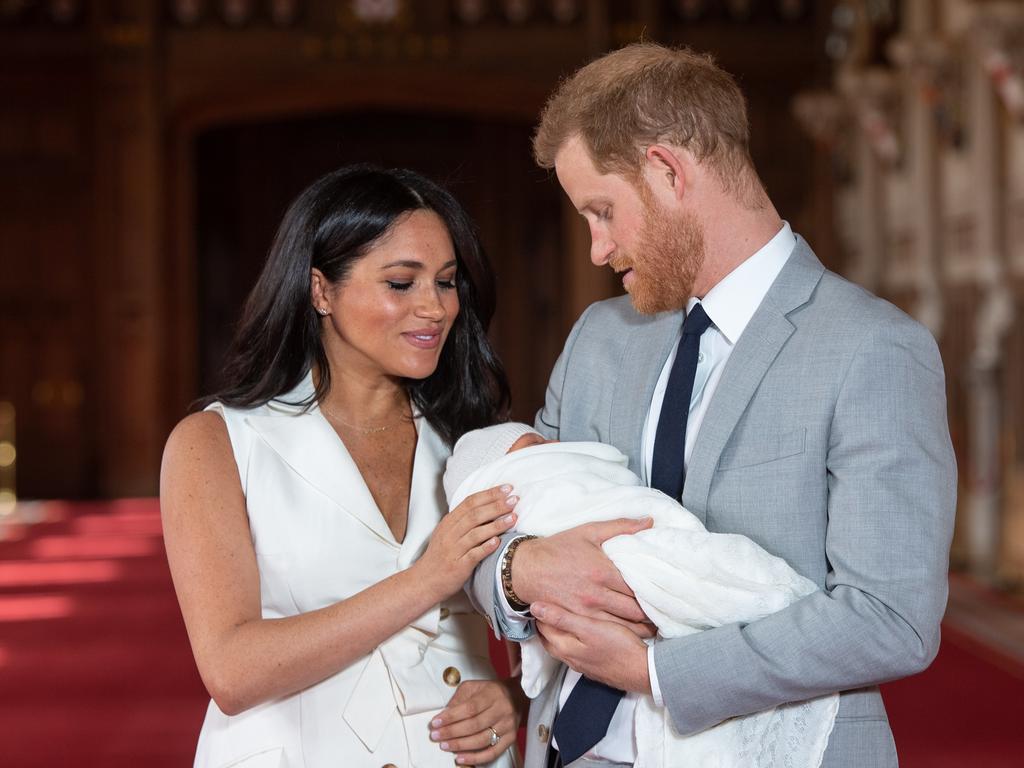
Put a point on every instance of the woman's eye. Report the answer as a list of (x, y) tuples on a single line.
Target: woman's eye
[(398, 286), (448, 284)]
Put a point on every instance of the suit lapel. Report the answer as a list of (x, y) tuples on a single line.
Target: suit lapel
[(755, 351), (647, 347)]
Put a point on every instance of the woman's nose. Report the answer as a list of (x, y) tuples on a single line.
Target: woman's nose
[(430, 306)]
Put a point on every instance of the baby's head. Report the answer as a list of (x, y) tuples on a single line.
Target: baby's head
[(530, 438), (482, 446)]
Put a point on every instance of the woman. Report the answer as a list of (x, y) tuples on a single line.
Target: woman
[(319, 579)]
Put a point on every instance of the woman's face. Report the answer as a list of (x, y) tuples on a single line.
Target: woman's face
[(392, 314)]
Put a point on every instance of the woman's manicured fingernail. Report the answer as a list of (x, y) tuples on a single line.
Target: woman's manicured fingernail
[(435, 723), (506, 489), (508, 519), (444, 745), (538, 610), (512, 500), (435, 735)]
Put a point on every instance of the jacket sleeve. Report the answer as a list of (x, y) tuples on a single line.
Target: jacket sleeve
[(482, 585), (891, 478)]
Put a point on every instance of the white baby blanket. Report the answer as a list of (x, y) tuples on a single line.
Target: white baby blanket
[(685, 578)]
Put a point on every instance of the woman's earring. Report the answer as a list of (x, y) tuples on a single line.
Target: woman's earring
[(322, 311)]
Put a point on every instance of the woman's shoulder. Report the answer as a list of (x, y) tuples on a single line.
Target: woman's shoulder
[(199, 434)]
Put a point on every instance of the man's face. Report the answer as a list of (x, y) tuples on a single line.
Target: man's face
[(657, 251)]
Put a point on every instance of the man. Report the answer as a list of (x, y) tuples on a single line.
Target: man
[(791, 407)]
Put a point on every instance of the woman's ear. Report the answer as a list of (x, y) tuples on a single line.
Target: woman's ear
[(318, 286)]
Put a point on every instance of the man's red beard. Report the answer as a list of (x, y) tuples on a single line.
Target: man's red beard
[(668, 255)]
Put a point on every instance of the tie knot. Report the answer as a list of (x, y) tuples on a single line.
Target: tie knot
[(697, 321)]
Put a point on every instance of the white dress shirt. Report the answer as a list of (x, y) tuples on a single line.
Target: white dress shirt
[(730, 304)]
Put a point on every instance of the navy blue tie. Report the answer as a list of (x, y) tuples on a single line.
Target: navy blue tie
[(670, 440), (584, 719)]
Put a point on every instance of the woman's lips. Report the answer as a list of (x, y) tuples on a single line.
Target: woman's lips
[(423, 339)]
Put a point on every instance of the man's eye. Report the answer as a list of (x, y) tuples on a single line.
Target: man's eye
[(397, 286), (605, 214)]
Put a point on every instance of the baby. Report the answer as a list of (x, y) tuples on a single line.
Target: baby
[(685, 578)]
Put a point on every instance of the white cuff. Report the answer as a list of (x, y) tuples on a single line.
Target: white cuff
[(653, 673)]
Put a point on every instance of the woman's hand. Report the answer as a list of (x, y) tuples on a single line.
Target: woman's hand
[(465, 726), (465, 536)]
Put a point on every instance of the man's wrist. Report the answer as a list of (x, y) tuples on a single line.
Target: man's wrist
[(515, 601), (521, 572)]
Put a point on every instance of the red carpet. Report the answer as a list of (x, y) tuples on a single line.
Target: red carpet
[(95, 667)]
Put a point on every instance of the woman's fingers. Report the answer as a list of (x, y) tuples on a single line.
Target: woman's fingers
[(478, 553), (480, 712), (464, 721), (483, 507), (484, 532), (489, 753)]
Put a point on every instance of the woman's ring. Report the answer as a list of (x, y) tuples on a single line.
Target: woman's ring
[(495, 738)]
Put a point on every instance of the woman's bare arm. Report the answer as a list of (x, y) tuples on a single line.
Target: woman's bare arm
[(244, 659)]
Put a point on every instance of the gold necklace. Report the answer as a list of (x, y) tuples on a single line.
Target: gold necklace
[(361, 430)]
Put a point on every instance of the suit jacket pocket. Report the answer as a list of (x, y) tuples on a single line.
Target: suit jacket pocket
[(765, 449)]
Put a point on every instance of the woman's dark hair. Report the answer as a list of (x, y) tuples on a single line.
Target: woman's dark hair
[(330, 226)]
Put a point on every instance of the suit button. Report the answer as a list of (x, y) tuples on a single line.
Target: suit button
[(452, 676), (445, 613), (543, 734)]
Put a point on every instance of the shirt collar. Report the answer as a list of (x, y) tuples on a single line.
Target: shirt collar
[(732, 302)]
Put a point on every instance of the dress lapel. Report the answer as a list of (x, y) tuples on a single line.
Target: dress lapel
[(755, 351), (308, 444), (427, 502), (647, 348)]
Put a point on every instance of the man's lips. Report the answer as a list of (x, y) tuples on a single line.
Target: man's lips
[(628, 277), (424, 338)]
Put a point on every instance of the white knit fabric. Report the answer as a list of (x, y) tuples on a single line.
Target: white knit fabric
[(685, 578), (479, 448)]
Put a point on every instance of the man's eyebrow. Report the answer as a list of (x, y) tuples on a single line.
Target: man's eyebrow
[(413, 264)]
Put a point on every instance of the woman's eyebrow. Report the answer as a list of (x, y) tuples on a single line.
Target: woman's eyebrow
[(412, 264)]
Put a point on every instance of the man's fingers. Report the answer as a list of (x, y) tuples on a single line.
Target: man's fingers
[(565, 621), (622, 526), (623, 606)]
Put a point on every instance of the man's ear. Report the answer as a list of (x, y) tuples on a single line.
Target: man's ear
[(667, 171)]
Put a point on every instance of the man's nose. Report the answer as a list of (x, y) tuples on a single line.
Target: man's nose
[(601, 249)]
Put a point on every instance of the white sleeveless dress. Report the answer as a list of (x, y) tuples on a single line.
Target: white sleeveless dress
[(320, 538)]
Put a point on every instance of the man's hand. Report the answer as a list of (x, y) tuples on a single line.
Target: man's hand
[(571, 570), (602, 650)]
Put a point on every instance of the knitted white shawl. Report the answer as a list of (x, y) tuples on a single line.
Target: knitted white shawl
[(685, 578)]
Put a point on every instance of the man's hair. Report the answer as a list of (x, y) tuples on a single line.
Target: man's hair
[(644, 94)]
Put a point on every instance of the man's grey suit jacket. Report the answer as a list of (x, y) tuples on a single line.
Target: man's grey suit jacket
[(826, 442)]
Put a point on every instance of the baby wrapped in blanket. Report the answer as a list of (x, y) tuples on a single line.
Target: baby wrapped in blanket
[(685, 578)]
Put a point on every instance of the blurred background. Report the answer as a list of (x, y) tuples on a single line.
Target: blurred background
[(148, 149)]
